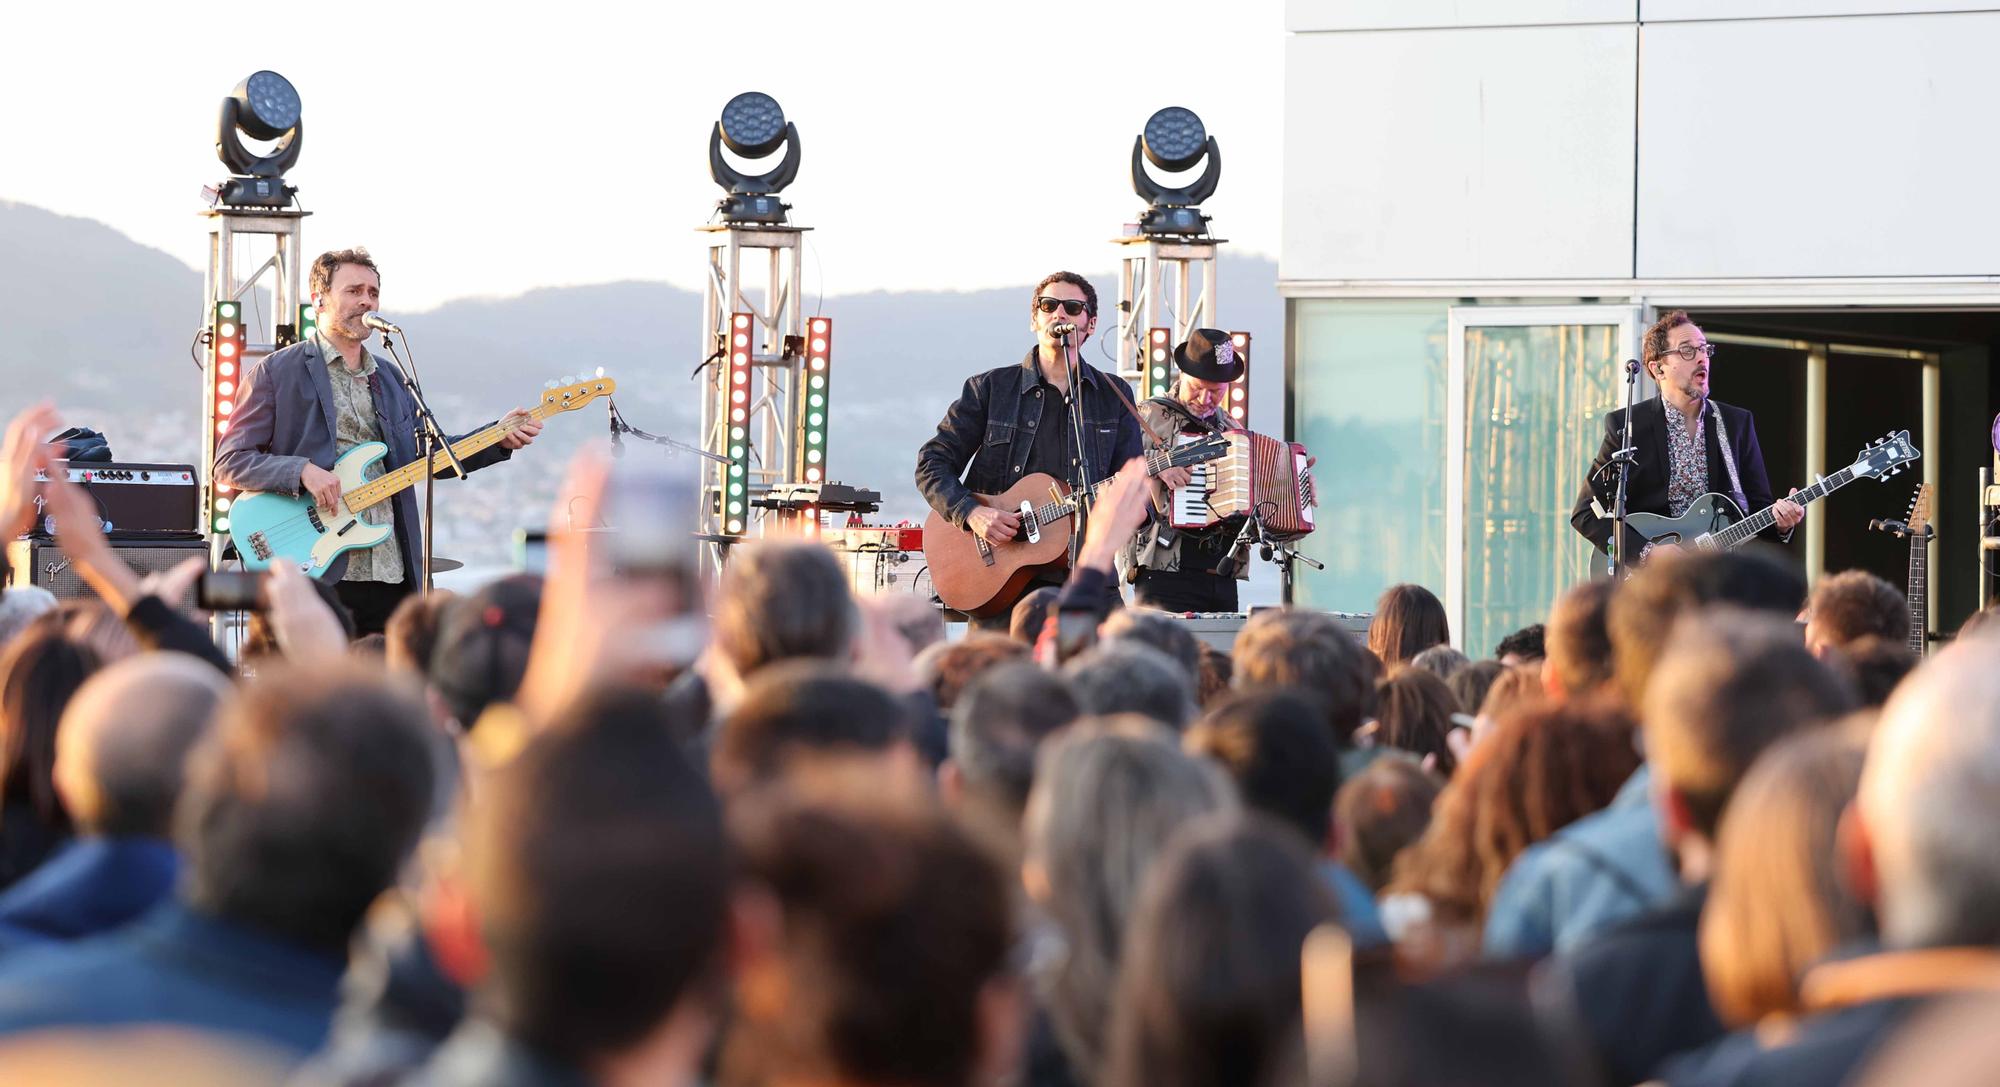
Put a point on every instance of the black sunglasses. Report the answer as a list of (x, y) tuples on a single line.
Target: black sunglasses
[(1070, 306)]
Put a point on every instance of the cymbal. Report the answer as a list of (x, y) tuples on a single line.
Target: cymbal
[(440, 564), (718, 538)]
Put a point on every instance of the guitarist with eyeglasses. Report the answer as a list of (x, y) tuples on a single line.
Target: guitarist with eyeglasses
[(299, 409), (1015, 421), (1687, 445)]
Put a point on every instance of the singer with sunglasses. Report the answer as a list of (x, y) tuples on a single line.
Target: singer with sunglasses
[(299, 408), (1686, 444), (1016, 420)]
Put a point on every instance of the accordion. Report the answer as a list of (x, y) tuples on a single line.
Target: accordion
[(1258, 473)]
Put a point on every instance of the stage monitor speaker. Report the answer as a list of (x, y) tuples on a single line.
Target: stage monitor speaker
[(45, 564)]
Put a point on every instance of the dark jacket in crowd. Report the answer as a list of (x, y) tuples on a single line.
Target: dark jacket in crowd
[(988, 434), (1646, 490), (93, 885), (1639, 990), (176, 967), (25, 841)]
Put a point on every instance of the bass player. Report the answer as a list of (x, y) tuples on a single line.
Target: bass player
[(299, 409)]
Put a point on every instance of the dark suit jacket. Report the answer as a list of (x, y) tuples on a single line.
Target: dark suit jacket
[(284, 418), (1646, 492)]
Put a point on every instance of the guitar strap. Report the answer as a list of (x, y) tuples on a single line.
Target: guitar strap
[(1729, 460)]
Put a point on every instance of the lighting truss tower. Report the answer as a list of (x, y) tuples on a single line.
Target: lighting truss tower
[(1164, 283), (227, 295), (756, 405)]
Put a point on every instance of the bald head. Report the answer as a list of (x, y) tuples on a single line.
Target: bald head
[(1930, 796), (124, 739)]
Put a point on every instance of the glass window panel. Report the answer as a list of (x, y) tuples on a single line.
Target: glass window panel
[(1536, 397), (1369, 396)]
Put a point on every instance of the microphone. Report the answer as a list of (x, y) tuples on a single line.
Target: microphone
[(1631, 366), (379, 323), (1062, 329), (1239, 552)]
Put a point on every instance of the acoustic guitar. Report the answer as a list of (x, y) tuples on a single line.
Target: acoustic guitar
[(981, 578)]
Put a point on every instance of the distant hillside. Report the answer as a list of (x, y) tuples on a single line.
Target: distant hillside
[(102, 326)]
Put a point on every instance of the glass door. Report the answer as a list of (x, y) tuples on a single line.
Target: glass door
[(1527, 391)]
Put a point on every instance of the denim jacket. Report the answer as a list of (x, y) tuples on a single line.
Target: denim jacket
[(991, 428)]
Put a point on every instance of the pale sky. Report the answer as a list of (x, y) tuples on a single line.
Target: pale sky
[(490, 149)]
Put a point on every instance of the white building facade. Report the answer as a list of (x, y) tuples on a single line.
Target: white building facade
[(1485, 203)]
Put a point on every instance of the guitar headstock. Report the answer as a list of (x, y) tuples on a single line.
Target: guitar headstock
[(1920, 510), (1886, 456), (575, 394), (1196, 452)]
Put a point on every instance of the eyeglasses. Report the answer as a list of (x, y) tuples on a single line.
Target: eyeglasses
[(1690, 351), (1070, 306)]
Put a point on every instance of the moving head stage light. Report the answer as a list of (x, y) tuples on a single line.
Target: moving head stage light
[(262, 107), (1175, 141), (752, 127)]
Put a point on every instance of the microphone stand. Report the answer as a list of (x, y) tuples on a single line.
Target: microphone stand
[(1080, 464), (430, 437), (1623, 459), (620, 427)]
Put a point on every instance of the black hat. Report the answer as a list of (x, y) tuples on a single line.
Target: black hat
[(1209, 355)]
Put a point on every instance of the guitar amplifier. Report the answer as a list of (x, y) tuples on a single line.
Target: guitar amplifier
[(138, 500), (43, 563)]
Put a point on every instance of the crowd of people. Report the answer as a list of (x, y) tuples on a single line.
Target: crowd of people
[(606, 825)]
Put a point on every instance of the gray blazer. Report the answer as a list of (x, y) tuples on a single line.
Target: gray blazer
[(284, 418)]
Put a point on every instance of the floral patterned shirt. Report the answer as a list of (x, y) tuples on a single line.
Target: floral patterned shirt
[(1687, 458), (354, 423)]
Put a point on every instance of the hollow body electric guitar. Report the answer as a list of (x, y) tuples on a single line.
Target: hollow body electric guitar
[(1713, 523), (272, 528), (981, 578)]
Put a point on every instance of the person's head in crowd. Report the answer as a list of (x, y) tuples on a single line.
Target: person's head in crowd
[(1157, 629), (1524, 646), (782, 599), (1031, 614), (1579, 644), (1470, 683), (597, 871), (1132, 677), (372, 647), (90, 622), (1382, 811), (1408, 620), (1282, 760), (1533, 773), (1776, 905), (914, 618), (1875, 665), (21, 605), (411, 634), (39, 673), (1108, 795), (304, 801), (1414, 713), (801, 712), (1295, 647), (1918, 843), (1442, 661), (1213, 678), (123, 742), (481, 651), (1729, 684), (1854, 604), (1643, 610), (1514, 690), (948, 668), (1000, 720), (1208, 989), (885, 956), (261, 640)]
